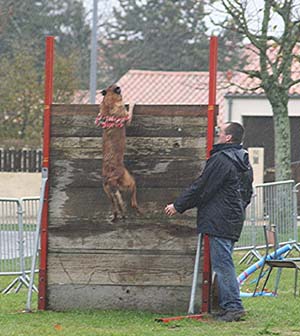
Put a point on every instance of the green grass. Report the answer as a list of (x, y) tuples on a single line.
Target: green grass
[(15, 227), (266, 316), (10, 265)]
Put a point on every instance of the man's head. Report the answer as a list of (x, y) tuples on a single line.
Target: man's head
[(231, 132)]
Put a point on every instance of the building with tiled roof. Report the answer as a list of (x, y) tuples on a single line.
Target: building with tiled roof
[(237, 93), (239, 98), (166, 88), (246, 102), (244, 98)]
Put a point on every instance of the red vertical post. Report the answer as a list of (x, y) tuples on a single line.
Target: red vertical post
[(213, 59), (48, 98)]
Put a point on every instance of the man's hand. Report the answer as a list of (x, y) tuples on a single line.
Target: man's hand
[(170, 210)]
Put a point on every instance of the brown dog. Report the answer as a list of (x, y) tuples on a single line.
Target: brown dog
[(113, 117)]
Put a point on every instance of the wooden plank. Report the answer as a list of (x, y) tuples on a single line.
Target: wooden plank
[(74, 109), (166, 110), (121, 269), (17, 160), (178, 234), (167, 126), (171, 110), (91, 202), (178, 126), (154, 172), (145, 121), (75, 125), (137, 142), (170, 130), (81, 218), (93, 239), (157, 299), (69, 153), (91, 147), (151, 233)]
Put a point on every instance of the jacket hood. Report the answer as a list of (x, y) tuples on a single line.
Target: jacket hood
[(236, 153)]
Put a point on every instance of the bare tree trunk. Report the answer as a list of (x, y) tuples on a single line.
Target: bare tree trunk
[(282, 136)]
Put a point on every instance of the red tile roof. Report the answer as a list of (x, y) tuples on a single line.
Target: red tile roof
[(243, 84), (164, 88), (187, 88)]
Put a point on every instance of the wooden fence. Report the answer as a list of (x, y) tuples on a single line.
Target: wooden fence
[(22, 160), (144, 262)]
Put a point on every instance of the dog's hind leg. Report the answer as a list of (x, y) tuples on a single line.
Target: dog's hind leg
[(120, 203), (113, 199), (133, 200), (129, 183)]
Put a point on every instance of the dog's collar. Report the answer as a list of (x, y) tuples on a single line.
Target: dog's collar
[(110, 121)]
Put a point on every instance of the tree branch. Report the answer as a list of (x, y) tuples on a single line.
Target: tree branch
[(235, 9), (293, 82), (252, 73), (245, 89)]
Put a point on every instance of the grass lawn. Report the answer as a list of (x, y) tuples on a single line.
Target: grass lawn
[(266, 316)]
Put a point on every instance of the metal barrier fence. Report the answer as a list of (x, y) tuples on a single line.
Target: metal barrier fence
[(272, 204), (18, 220)]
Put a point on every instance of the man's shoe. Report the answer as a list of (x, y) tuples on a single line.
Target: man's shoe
[(231, 316)]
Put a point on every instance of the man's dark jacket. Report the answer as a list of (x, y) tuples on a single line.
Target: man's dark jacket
[(217, 193)]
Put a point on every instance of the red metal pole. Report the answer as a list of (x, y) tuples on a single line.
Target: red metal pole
[(49, 61), (213, 59)]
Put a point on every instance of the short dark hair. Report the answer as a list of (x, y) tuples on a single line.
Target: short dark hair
[(236, 130)]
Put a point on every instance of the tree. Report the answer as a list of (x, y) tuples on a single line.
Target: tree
[(276, 51), (23, 27), (157, 35), (20, 96), (66, 81), (28, 22), (21, 93)]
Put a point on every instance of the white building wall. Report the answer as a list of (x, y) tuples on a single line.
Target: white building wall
[(256, 158), (255, 107), (17, 185)]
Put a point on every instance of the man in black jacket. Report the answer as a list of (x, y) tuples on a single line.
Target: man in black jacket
[(221, 195)]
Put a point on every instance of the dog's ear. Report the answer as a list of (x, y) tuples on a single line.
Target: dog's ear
[(103, 92), (117, 90)]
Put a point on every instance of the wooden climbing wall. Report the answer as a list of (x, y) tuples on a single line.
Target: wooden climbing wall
[(144, 262)]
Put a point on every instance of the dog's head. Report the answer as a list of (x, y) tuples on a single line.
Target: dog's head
[(112, 108), (112, 91), (112, 104), (112, 101)]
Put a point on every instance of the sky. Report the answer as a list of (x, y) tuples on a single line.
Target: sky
[(254, 14), (107, 5)]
